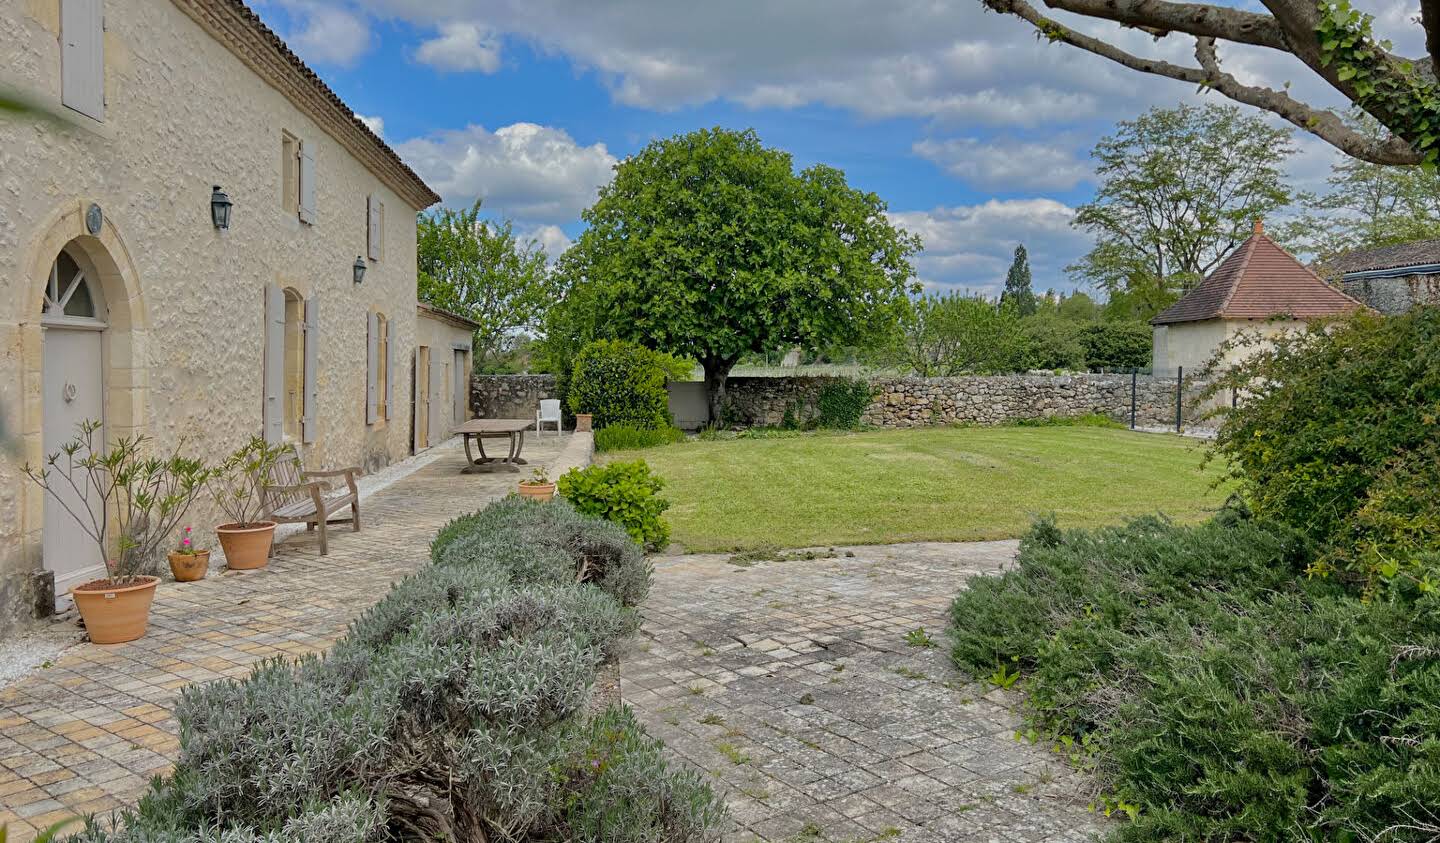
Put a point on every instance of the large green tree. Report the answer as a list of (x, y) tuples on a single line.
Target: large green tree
[(955, 333), (1019, 293), (484, 271), (710, 246), (1330, 38), (1179, 189)]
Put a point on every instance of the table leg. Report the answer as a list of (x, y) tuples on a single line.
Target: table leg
[(519, 446)]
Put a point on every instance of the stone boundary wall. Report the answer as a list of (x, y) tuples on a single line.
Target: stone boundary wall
[(984, 400), (509, 396)]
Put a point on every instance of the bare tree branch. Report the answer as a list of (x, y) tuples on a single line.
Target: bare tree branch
[(1327, 125), (1159, 17)]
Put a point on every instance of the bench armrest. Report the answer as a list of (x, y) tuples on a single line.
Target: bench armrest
[(347, 473)]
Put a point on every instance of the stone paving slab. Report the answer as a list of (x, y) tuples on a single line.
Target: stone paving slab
[(86, 734), (791, 685)]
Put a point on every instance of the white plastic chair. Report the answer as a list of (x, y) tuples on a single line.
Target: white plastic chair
[(549, 412)]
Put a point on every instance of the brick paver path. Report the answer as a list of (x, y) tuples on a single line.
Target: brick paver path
[(85, 734), (792, 685)]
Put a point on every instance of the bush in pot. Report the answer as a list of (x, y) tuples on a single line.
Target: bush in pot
[(539, 487), (123, 500), (188, 562), (238, 486)]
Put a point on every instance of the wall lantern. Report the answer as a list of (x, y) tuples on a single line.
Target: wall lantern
[(359, 269), (220, 205)]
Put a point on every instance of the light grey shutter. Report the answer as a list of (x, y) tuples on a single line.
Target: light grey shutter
[(373, 214), (307, 182), (274, 409), (390, 371), (82, 57), (312, 370), (372, 370), (439, 430)]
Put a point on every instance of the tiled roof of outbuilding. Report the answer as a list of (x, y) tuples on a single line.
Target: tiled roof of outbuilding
[(1394, 256), (1259, 280)]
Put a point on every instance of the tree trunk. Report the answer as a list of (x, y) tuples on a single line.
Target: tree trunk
[(717, 372)]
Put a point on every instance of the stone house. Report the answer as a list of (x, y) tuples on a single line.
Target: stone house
[(1259, 288), (138, 293), (1391, 279), (444, 343)]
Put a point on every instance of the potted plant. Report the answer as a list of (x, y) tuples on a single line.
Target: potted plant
[(126, 501), (539, 487), (239, 489), (187, 562)]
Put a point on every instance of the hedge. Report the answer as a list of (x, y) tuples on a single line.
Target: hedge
[(455, 708), (620, 383)]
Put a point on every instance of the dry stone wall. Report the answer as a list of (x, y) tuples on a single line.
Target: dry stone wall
[(509, 396)]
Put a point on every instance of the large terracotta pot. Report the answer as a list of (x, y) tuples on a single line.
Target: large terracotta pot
[(537, 491), (115, 614), (582, 422), (246, 548), (189, 567)]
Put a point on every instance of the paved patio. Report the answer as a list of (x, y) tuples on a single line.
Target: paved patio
[(792, 685), (85, 734)]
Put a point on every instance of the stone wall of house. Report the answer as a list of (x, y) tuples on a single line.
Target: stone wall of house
[(509, 396), (918, 402), (1394, 295)]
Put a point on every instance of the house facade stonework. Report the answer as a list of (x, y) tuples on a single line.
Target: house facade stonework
[(122, 298), (1391, 279)]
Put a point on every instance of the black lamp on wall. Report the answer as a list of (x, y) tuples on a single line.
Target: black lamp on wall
[(220, 206), (359, 269)]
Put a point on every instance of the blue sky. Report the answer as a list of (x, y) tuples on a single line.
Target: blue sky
[(975, 134)]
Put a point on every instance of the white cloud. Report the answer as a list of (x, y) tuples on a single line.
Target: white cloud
[(969, 247), (374, 124), (531, 173), (330, 34), (1005, 163), (462, 46), (551, 237)]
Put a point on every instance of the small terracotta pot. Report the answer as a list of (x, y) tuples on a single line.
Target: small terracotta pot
[(189, 567), (246, 548), (537, 491), (115, 614), (582, 422)]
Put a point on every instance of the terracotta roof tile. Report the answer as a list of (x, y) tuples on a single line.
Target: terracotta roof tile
[(1259, 280), (1394, 256)]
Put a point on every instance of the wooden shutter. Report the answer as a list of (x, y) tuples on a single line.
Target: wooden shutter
[(373, 207), (307, 182), (390, 370), (417, 437), (274, 410), (439, 430), (312, 370), (82, 57), (372, 371)]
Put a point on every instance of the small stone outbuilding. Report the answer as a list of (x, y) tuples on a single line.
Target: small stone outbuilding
[(1391, 279), (1260, 288), (443, 344)]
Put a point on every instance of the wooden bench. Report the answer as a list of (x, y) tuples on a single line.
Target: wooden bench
[(294, 496)]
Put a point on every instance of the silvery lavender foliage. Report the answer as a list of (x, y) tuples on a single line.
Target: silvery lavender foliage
[(454, 709)]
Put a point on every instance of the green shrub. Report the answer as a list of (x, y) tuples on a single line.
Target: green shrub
[(620, 383), (842, 402), (1211, 690), (623, 492), (1050, 343), (621, 437), (455, 708), (1117, 345), (1334, 434)]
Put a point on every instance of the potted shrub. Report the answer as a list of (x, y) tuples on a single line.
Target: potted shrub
[(187, 562), (238, 486), (129, 503), (539, 487)]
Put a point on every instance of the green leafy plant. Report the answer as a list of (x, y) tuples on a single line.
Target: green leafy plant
[(620, 383), (123, 499), (237, 485), (918, 637), (626, 493), (538, 477), (624, 437), (47, 835), (1117, 345), (1003, 676), (842, 402)]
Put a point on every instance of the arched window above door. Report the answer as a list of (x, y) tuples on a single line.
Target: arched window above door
[(72, 297)]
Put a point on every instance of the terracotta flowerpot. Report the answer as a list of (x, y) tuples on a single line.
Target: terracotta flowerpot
[(582, 422), (246, 548), (537, 491), (189, 567), (115, 614)]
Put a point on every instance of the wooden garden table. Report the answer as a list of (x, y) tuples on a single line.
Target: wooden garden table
[(480, 429)]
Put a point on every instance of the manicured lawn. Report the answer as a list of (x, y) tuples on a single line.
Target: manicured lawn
[(938, 484)]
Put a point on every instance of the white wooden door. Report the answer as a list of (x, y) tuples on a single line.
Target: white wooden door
[(73, 393)]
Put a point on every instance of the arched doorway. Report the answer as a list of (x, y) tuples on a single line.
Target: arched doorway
[(73, 323)]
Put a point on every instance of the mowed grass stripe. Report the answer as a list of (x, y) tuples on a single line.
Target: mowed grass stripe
[(934, 484)]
